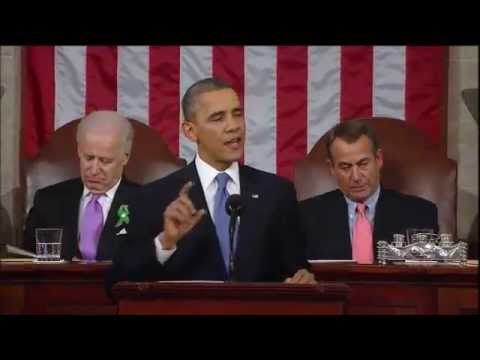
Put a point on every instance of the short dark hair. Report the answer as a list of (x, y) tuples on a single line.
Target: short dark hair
[(198, 88), (350, 131)]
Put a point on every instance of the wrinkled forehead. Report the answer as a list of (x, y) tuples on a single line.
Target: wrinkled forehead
[(213, 101), (104, 142), (343, 150)]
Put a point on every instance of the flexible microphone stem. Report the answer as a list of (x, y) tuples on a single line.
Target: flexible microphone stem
[(234, 207), (231, 231)]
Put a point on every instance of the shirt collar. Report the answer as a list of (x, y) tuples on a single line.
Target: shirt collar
[(207, 173), (110, 193), (370, 202)]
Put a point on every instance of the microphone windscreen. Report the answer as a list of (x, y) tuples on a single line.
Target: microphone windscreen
[(234, 205)]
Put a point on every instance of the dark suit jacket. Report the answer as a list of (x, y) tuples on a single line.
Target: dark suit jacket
[(58, 206), (269, 247), (324, 221)]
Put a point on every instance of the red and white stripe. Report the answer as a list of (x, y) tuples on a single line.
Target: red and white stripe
[(292, 94)]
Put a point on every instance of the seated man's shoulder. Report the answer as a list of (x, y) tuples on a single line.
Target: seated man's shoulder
[(130, 184), (316, 200), (408, 200), (62, 187)]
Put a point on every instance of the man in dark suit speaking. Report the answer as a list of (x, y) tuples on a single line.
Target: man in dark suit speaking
[(91, 210), (346, 223), (192, 242)]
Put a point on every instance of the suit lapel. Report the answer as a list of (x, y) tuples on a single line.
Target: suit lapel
[(250, 226), (381, 218), (342, 232), (108, 235), (204, 233), (196, 192), (197, 196), (71, 211)]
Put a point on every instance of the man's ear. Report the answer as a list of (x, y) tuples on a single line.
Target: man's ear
[(379, 157), (189, 130), (127, 157), (330, 166)]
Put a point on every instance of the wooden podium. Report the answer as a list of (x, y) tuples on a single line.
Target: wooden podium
[(212, 298)]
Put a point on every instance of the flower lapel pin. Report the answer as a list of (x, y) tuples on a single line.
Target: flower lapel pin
[(123, 215)]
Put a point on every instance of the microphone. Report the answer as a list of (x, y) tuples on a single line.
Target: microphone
[(234, 207)]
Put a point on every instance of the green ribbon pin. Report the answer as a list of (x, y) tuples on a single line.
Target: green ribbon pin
[(122, 215)]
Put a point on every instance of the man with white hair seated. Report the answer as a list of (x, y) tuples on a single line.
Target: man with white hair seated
[(92, 210)]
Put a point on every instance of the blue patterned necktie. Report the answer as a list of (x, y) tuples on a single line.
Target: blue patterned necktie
[(221, 217)]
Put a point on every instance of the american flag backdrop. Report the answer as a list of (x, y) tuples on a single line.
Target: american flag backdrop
[(291, 94)]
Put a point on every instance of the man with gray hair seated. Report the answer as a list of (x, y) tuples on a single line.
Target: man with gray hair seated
[(92, 210)]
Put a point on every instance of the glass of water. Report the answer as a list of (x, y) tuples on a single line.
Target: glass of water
[(49, 244)]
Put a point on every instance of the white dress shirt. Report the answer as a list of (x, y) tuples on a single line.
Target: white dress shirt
[(105, 201), (207, 175)]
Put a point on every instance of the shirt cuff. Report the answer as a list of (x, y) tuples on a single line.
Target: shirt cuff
[(162, 255)]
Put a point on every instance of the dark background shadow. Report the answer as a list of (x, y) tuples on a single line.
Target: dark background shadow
[(6, 230), (470, 97)]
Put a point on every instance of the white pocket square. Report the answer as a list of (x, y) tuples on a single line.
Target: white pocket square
[(121, 232)]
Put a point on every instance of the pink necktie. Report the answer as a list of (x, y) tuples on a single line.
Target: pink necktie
[(362, 245)]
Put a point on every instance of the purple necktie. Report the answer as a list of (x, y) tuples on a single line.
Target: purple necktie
[(90, 228)]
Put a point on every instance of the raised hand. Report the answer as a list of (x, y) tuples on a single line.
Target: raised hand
[(179, 218)]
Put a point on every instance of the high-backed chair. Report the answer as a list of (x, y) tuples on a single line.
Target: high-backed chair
[(411, 165), (150, 159)]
